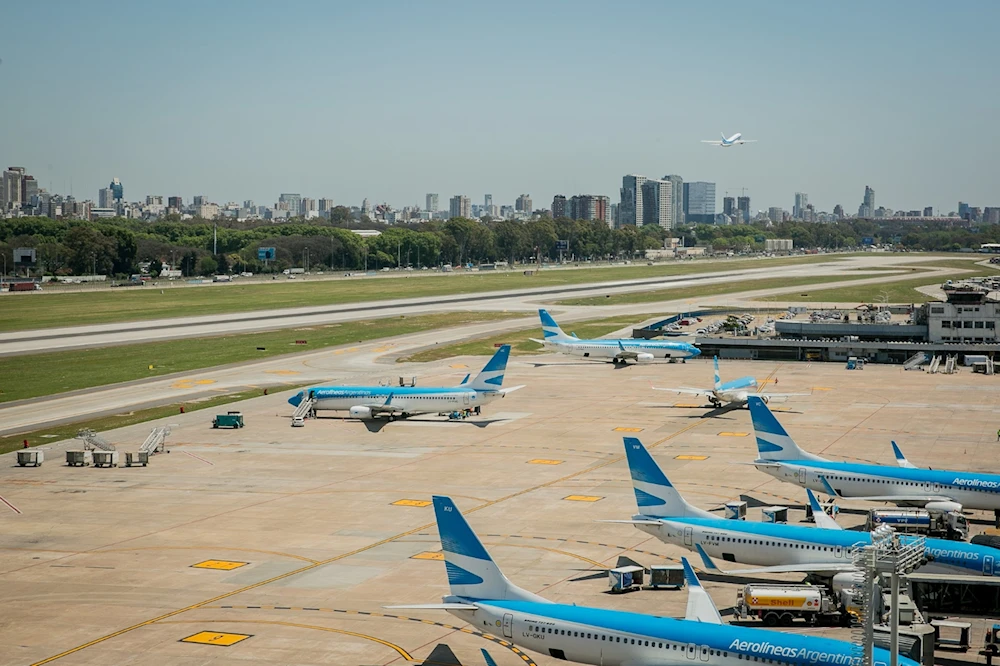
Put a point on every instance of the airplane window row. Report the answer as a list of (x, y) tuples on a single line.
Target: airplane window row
[(911, 484), (773, 544)]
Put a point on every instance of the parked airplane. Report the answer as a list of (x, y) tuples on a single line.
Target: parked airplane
[(905, 485), (365, 402), (734, 392), (778, 548), (482, 596), (735, 140), (619, 351)]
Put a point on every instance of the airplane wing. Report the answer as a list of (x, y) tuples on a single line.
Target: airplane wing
[(813, 567), (714, 143), (452, 606), (685, 390), (782, 395), (632, 522), (700, 607), (748, 140), (887, 498), (901, 459), (823, 520), (511, 389), (541, 342)]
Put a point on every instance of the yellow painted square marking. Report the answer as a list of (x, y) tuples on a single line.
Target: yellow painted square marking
[(582, 498), (427, 555), (542, 461), (283, 372), (821, 388), (733, 434), (459, 366), (224, 565), (204, 382), (687, 404), (409, 502), (687, 457), (216, 638), (628, 429)]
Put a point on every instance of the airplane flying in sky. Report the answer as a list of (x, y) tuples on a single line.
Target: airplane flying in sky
[(482, 596), (618, 351), (904, 485), (365, 402), (735, 140), (824, 550), (731, 392)]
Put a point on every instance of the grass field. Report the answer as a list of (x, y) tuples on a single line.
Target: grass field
[(520, 341), (704, 290), (56, 433), (47, 310), (36, 375), (904, 291)]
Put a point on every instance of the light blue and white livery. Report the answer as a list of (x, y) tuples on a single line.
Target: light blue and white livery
[(734, 392), (615, 350), (823, 550), (483, 597), (365, 402), (905, 485)]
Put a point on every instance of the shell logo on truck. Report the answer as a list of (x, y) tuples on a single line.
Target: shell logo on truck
[(784, 602)]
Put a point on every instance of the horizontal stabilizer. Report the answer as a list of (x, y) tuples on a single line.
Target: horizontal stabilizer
[(511, 389), (445, 607), (700, 607), (632, 522), (819, 515)]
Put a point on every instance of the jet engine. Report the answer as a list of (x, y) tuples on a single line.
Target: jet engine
[(643, 358), (359, 412), (764, 398), (944, 506)]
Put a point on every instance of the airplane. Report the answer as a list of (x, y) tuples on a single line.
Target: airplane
[(482, 596), (733, 392), (735, 140), (905, 485), (824, 550), (619, 351), (367, 402)]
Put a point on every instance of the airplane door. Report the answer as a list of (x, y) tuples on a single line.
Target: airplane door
[(704, 652), (691, 651), (688, 536), (465, 398), (801, 475), (988, 565), (838, 551), (508, 620), (937, 487)]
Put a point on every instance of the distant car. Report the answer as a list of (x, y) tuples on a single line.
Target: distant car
[(298, 422), (291, 277)]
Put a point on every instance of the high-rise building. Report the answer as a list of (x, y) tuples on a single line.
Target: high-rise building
[(325, 206), (432, 203), (460, 206), (630, 211), (307, 207), (838, 212), (487, 202), (677, 200), (11, 186), (867, 207), (775, 214), (613, 215), (699, 203), (657, 203), (558, 206), (523, 204), (105, 198), (801, 201), (199, 200), (294, 202), (728, 206), (117, 190), (928, 211), (963, 210), (175, 202), (991, 215), (583, 207), (743, 205)]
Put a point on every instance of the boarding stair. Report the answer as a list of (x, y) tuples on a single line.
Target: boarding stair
[(935, 365), (915, 361), (91, 441), (155, 441), (306, 408), (951, 365)]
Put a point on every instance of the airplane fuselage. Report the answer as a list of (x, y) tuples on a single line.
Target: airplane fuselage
[(770, 544), (645, 350), (971, 490), (735, 391), (399, 400), (614, 638)]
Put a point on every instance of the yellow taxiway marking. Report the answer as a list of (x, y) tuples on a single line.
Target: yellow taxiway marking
[(204, 382), (628, 429), (427, 555), (182, 384), (821, 388), (687, 457), (734, 434), (402, 653), (216, 638), (543, 461), (283, 372), (409, 502), (224, 565), (582, 498), (459, 366), (687, 404), (357, 551), (209, 548)]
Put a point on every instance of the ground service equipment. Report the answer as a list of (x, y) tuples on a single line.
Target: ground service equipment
[(929, 522), (228, 420), (782, 604)]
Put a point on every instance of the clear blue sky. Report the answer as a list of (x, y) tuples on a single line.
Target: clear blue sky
[(389, 100)]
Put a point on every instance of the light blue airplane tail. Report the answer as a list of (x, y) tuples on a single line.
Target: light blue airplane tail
[(773, 442), (472, 574), (654, 493), (550, 329), (488, 658), (490, 377), (718, 379)]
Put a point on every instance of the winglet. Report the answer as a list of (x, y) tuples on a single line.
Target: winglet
[(388, 401), (700, 607), (830, 490), (718, 379), (823, 520), (901, 459), (706, 560), (488, 658)]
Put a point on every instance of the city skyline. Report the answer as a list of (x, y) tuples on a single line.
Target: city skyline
[(364, 123)]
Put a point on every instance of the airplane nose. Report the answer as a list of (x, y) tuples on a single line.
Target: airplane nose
[(295, 399), (694, 351)]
